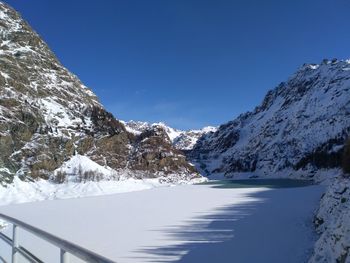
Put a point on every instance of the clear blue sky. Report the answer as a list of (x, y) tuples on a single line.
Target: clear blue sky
[(188, 63)]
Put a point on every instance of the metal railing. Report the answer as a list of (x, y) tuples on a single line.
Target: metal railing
[(66, 248)]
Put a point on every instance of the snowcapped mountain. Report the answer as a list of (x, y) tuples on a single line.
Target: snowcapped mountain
[(47, 116), (186, 140), (301, 125), (182, 140)]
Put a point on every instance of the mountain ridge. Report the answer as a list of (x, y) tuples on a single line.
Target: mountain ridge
[(279, 134), (47, 116), (181, 139)]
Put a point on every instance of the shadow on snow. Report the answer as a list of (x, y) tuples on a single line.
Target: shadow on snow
[(271, 226)]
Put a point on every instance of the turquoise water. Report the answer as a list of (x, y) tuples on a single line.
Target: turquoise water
[(253, 183)]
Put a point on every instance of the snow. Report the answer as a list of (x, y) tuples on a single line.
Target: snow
[(2, 15), (2, 169), (6, 76), (189, 223), (80, 164), (208, 129), (333, 224), (24, 49), (183, 140), (314, 66), (55, 112), (135, 127), (23, 192), (75, 185), (295, 120)]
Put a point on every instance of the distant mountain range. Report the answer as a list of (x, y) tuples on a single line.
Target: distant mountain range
[(182, 140)]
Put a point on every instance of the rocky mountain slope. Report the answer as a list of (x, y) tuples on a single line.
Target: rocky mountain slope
[(301, 125), (47, 116), (182, 140), (333, 224)]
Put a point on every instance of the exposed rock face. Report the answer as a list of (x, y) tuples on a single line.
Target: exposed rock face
[(182, 140), (300, 125), (333, 224), (145, 156), (47, 115), (188, 139)]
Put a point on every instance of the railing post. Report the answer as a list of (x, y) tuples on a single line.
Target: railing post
[(64, 256), (14, 244), (66, 248)]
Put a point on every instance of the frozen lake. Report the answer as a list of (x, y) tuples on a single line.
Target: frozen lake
[(225, 221)]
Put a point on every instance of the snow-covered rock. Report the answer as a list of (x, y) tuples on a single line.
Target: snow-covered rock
[(300, 125), (186, 140), (47, 116), (81, 168), (333, 224), (182, 140)]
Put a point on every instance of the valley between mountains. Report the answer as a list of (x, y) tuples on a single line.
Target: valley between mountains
[(57, 141)]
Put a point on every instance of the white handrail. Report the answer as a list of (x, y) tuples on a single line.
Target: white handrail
[(66, 248)]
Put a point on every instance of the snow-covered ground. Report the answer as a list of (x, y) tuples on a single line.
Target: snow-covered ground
[(82, 177), (189, 223), (23, 192)]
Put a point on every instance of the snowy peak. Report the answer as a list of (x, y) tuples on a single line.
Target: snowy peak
[(187, 139), (182, 140), (32, 77), (21, 44), (47, 116), (300, 125), (137, 127)]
